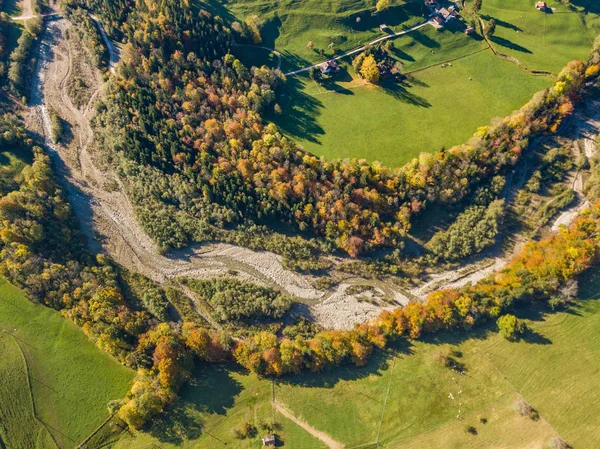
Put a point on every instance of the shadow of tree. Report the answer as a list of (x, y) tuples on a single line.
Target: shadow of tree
[(532, 337), (270, 32), (218, 8), (425, 40), (378, 363), (300, 111), (590, 6), (400, 91), (211, 390), (501, 23), (509, 44)]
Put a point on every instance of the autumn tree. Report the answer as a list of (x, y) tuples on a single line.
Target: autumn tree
[(369, 70), (382, 5), (510, 327)]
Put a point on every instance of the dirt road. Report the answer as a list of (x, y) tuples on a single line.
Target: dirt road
[(362, 48), (330, 442), (114, 52)]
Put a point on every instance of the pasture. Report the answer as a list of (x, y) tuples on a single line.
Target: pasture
[(393, 123), (289, 25), (406, 398), (70, 380), (542, 41)]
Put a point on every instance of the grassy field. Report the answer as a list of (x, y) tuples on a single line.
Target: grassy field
[(407, 399), (542, 41), (18, 425), (71, 380), (440, 106)]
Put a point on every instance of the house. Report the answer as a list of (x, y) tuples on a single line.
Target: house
[(541, 6), (269, 440), (448, 14), (329, 67), (439, 20), (383, 27), (469, 31)]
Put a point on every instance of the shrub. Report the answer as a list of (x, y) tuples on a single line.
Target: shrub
[(237, 300), (510, 327), (474, 230), (247, 430), (525, 409)]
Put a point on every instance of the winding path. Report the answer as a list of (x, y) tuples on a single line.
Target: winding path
[(362, 48), (113, 51)]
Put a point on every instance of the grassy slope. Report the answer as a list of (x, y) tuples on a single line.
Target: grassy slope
[(72, 379), (556, 368), (441, 107), (541, 41), (395, 125), (215, 403), (18, 425)]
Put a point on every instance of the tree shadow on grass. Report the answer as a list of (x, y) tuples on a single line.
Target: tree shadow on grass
[(590, 6), (401, 91), (425, 40), (378, 363), (218, 8), (509, 44), (532, 337), (270, 32), (501, 23), (300, 111), (211, 390), (291, 61)]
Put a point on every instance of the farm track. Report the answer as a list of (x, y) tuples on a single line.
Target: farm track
[(108, 219), (361, 48), (330, 442)]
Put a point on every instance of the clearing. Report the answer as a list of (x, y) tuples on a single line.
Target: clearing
[(396, 122)]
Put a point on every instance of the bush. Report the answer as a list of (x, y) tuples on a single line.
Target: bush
[(474, 230), (525, 409), (236, 300), (510, 327), (471, 430), (56, 126), (247, 430)]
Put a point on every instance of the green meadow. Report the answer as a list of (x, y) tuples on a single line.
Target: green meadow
[(56, 383), (438, 107), (542, 41)]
